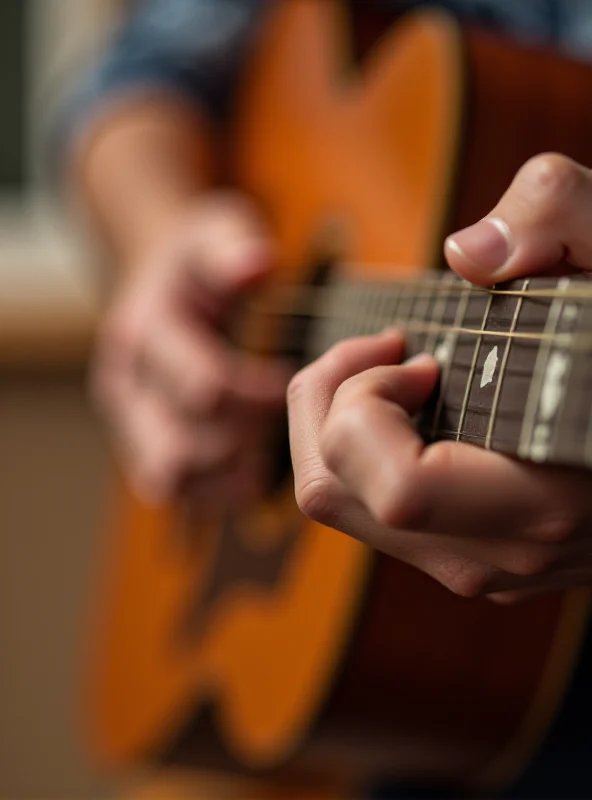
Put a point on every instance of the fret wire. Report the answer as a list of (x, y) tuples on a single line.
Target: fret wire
[(360, 310), (369, 313), (451, 348), (540, 369), (347, 302), (389, 308), (380, 298), (556, 420), (439, 313), (395, 302), (320, 309), (372, 310), (404, 316), (360, 306), (588, 436), (588, 439), (397, 315), (502, 372), (465, 404), (384, 311), (421, 319)]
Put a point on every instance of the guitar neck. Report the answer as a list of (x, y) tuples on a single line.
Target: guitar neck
[(516, 360)]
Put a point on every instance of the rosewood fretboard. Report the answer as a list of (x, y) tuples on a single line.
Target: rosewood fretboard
[(516, 360)]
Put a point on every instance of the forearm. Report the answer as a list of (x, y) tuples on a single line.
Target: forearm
[(137, 168)]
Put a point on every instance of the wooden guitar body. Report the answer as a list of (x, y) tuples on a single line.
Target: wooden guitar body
[(265, 643)]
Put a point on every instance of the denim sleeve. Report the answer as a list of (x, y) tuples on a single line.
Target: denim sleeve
[(190, 47), (196, 47), (564, 24), (524, 20), (575, 21)]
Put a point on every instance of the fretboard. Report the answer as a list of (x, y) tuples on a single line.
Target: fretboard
[(516, 361)]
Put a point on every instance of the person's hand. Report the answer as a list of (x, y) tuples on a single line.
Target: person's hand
[(187, 410), (476, 521)]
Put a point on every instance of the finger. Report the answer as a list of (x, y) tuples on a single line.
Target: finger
[(201, 376), (159, 450), (232, 486), (542, 220), (370, 445), (231, 248), (310, 395), (369, 441), (457, 490), (566, 580)]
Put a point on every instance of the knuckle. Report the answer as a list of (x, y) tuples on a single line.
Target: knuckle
[(315, 497), (556, 529), (339, 355), (394, 502), (297, 387), (207, 397), (331, 361), (439, 458), (342, 432), (533, 563), (463, 577), (390, 509), (468, 580), (552, 179)]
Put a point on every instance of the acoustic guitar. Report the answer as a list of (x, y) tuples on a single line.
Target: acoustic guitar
[(267, 644)]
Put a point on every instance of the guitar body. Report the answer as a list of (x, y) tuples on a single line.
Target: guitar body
[(271, 645)]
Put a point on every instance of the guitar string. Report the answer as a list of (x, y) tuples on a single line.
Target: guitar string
[(297, 293), (571, 341), (580, 290)]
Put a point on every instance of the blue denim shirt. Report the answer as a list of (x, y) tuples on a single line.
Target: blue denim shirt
[(196, 47)]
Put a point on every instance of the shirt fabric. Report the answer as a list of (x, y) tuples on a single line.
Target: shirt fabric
[(196, 47)]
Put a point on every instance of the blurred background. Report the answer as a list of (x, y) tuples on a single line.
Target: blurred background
[(52, 454)]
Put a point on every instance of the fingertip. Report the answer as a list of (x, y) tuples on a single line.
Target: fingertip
[(423, 359), (426, 366), (246, 261), (480, 252)]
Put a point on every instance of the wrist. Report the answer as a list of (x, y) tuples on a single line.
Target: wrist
[(140, 170)]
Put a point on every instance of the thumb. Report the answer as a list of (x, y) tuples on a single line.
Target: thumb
[(542, 221)]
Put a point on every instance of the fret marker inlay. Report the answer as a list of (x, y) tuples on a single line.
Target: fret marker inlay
[(552, 393), (489, 368), (445, 350), (553, 386)]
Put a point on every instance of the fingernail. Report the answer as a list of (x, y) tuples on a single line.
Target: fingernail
[(420, 359), (487, 244)]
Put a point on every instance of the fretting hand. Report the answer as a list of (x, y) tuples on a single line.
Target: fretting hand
[(478, 522)]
